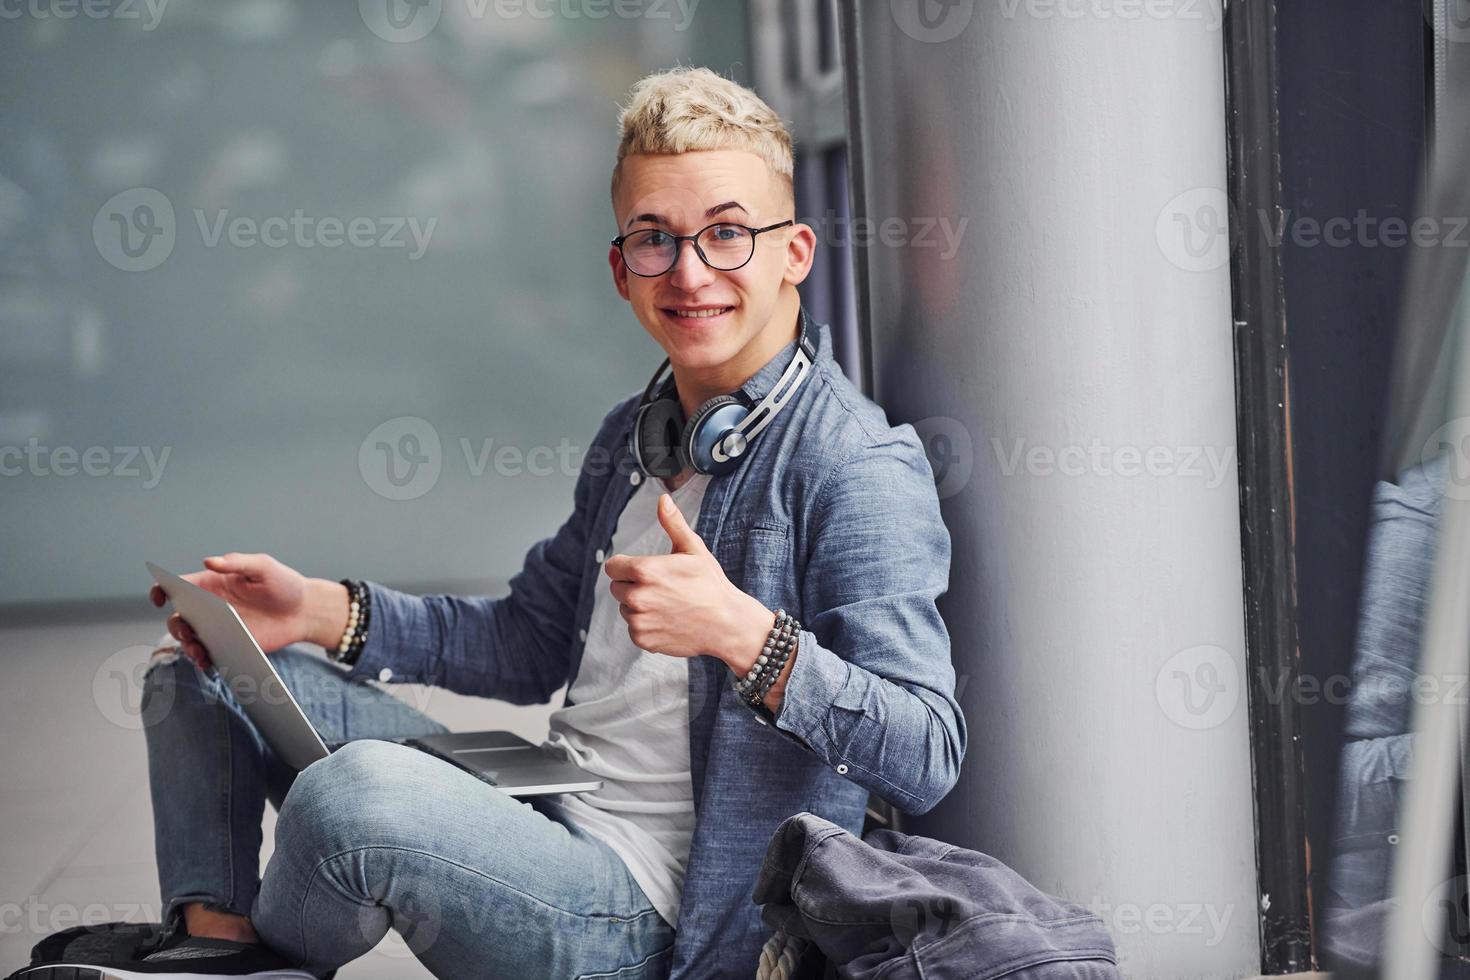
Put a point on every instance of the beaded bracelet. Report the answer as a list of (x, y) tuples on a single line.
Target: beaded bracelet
[(778, 649), (359, 612), (762, 663), (777, 666), (781, 646)]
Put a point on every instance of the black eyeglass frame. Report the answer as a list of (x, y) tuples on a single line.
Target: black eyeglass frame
[(694, 238)]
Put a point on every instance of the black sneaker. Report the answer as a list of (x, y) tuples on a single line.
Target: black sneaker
[(133, 951)]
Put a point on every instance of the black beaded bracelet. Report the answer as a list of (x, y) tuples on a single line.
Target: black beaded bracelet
[(748, 683), (783, 652), (778, 649), (359, 614), (769, 680)]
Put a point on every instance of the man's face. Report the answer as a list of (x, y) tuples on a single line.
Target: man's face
[(681, 194)]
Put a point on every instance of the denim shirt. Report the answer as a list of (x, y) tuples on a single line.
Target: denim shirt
[(833, 516), (1376, 760)]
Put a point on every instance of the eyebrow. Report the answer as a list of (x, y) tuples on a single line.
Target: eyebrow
[(659, 219)]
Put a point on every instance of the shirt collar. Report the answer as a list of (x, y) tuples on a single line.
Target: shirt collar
[(758, 385)]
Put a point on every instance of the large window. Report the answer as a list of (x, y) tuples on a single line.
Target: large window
[(291, 277), (798, 70)]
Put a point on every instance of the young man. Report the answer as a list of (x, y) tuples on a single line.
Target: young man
[(652, 601)]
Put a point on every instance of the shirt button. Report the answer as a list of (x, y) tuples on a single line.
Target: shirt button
[(582, 635), (385, 675), (842, 768), (599, 555), (635, 478)]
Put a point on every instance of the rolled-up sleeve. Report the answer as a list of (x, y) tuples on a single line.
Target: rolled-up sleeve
[(515, 647), (871, 690)]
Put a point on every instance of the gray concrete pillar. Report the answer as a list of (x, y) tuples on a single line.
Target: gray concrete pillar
[(1049, 290)]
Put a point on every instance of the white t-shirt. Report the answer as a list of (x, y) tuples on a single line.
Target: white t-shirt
[(630, 722)]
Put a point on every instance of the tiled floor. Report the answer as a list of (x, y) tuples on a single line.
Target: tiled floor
[(77, 841)]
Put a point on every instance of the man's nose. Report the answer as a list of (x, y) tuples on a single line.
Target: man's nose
[(690, 272)]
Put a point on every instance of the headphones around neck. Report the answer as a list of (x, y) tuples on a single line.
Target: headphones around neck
[(720, 431)]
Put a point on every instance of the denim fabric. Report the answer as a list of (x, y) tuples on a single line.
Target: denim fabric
[(378, 836), (901, 907), (1374, 768), (833, 516), (1397, 566)]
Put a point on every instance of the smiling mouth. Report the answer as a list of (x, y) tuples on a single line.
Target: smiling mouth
[(701, 313)]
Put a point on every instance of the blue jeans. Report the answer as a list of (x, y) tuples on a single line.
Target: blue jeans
[(378, 836)]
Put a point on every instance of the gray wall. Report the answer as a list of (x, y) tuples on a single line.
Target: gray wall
[(1095, 602), (264, 370)]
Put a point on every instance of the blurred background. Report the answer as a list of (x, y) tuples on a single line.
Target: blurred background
[(321, 280), (475, 161), (1171, 291)]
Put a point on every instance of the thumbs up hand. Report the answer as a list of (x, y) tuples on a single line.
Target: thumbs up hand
[(685, 540), (681, 604)]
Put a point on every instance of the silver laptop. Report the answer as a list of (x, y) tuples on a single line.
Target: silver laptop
[(503, 759)]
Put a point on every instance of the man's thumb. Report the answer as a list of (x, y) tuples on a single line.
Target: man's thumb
[(683, 536), (234, 562)]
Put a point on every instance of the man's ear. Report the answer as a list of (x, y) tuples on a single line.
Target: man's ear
[(801, 249), (619, 272)]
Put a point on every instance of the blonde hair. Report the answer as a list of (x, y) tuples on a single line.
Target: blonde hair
[(682, 110)]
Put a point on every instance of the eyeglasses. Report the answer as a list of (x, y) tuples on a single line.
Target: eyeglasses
[(723, 246)]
